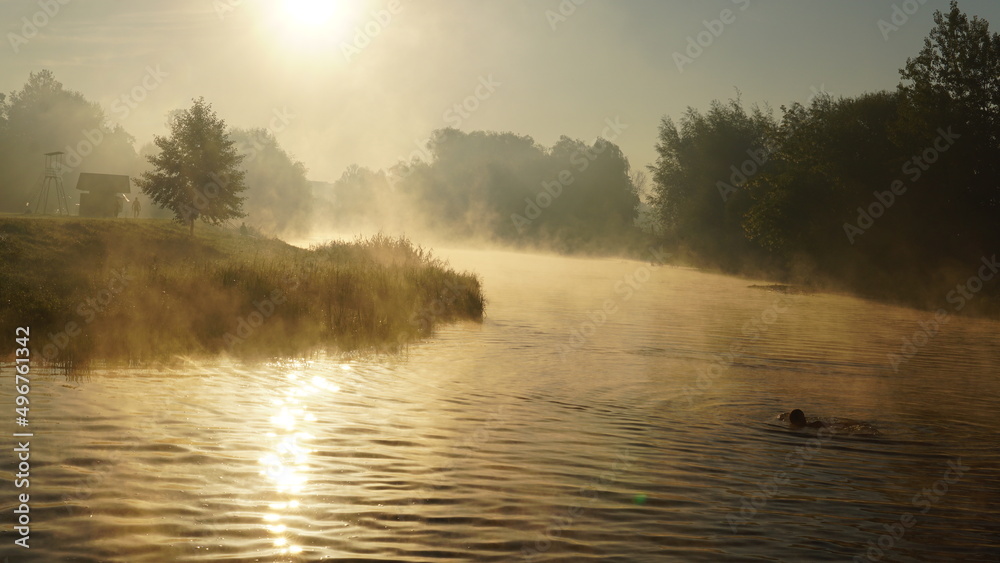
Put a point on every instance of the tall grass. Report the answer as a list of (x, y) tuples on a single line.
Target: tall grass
[(125, 291)]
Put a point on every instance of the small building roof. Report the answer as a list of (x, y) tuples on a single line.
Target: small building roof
[(107, 183)]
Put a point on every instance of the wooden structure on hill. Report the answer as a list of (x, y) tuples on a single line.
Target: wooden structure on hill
[(104, 194)]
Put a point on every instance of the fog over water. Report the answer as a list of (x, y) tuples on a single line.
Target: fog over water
[(633, 281), (488, 441)]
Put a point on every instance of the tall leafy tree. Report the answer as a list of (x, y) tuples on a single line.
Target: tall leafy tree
[(954, 82), (197, 169), (958, 69), (699, 181), (826, 160)]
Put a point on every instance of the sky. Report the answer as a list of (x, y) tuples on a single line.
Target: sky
[(343, 82)]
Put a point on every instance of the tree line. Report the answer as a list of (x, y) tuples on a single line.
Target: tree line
[(872, 191), (44, 117), (501, 187), (487, 185), (864, 191)]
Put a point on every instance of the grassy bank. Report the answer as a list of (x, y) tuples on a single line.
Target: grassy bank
[(124, 290)]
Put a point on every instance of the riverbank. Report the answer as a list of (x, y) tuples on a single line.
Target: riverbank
[(138, 290), (967, 286)]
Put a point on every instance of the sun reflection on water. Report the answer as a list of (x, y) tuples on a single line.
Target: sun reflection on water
[(286, 465)]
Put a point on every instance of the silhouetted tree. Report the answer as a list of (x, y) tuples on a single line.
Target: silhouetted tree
[(359, 191), (825, 160), (197, 170), (954, 82), (506, 186), (958, 73), (700, 176), (45, 117), (910, 177), (278, 196)]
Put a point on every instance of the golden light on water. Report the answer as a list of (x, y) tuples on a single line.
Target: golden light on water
[(286, 465), (285, 419)]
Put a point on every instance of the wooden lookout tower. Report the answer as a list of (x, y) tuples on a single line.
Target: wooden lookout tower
[(50, 192)]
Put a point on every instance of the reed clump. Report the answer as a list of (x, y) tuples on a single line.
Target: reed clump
[(128, 291)]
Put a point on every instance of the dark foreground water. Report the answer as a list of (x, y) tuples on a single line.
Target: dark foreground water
[(606, 410)]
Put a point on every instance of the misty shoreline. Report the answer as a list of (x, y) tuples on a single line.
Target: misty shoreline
[(129, 292)]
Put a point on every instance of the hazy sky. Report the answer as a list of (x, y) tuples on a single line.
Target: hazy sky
[(357, 86)]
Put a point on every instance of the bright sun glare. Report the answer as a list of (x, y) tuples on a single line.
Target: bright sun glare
[(311, 13), (313, 23)]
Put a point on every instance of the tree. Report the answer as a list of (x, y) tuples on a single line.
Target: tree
[(700, 177), (357, 192), (279, 196), (955, 82), (44, 117), (828, 158), (958, 67), (196, 172)]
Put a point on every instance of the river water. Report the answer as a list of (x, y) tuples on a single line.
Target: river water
[(605, 410)]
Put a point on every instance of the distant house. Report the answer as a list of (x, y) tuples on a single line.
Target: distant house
[(103, 194)]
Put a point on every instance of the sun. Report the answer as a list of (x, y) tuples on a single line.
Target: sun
[(310, 29), (310, 26), (311, 14)]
